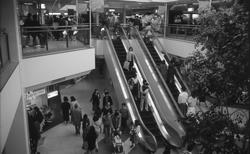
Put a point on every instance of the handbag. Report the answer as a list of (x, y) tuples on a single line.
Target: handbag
[(126, 65)]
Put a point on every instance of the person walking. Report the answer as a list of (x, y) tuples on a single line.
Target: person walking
[(76, 118), (95, 99), (85, 129), (98, 128), (144, 96), (124, 117), (182, 100), (91, 140), (65, 109)]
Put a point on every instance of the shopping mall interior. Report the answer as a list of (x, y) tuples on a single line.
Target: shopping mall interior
[(124, 76)]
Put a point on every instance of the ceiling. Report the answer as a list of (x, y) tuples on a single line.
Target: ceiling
[(129, 4)]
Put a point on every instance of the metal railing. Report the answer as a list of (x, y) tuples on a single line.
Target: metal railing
[(183, 31), (44, 39), (4, 48)]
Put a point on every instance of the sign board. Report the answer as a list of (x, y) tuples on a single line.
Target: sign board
[(97, 5), (33, 94), (204, 4), (82, 8)]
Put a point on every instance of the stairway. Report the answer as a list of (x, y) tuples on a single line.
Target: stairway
[(146, 116)]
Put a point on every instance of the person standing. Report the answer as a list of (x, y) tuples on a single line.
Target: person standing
[(182, 100), (116, 121), (130, 58), (192, 101), (91, 140), (134, 86), (65, 109), (95, 99), (107, 98), (38, 118), (124, 117), (34, 134), (163, 69), (85, 129), (144, 96), (106, 119), (134, 131), (76, 117)]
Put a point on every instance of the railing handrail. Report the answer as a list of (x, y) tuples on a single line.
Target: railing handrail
[(160, 75), (130, 94), (4, 34), (183, 25), (183, 83)]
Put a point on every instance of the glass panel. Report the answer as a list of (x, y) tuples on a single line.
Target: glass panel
[(46, 39)]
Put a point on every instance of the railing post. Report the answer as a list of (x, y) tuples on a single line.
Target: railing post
[(46, 38), (67, 38)]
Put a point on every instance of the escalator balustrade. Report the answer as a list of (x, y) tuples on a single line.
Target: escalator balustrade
[(147, 116), (157, 61)]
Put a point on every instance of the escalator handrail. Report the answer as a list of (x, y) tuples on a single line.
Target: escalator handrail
[(130, 94), (183, 83), (160, 75)]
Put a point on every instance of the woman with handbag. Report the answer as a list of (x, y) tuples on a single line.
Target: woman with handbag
[(128, 64)]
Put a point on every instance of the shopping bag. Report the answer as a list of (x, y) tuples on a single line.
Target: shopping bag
[(126, 65)]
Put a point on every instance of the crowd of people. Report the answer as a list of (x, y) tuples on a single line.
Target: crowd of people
[(112, 123)]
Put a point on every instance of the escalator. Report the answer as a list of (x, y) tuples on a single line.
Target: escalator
[(113, 62), (165, 104), (157, 60), (146, 116)]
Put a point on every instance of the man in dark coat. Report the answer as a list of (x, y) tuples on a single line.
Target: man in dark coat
[(65, 109)]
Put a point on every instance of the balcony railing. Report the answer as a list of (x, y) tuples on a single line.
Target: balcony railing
[(4, 49), (180, 31), (48, 39)]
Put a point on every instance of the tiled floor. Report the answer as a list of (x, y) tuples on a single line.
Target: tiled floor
[(61, 139)]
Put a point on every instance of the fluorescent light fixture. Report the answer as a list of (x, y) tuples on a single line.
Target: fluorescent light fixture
[(195, 16), (28, 3), (131, 111), (43, 6), (121, 83), (111, 10), (52, 94), (190, 9), (66, 14), (55, 13), (151, 70), (177, 84)]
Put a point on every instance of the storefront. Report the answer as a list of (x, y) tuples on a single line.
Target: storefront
[(48, 100)]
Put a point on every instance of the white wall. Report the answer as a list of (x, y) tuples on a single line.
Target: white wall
[(178, 47), (42, 69), (9, 99), (18, 137)]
